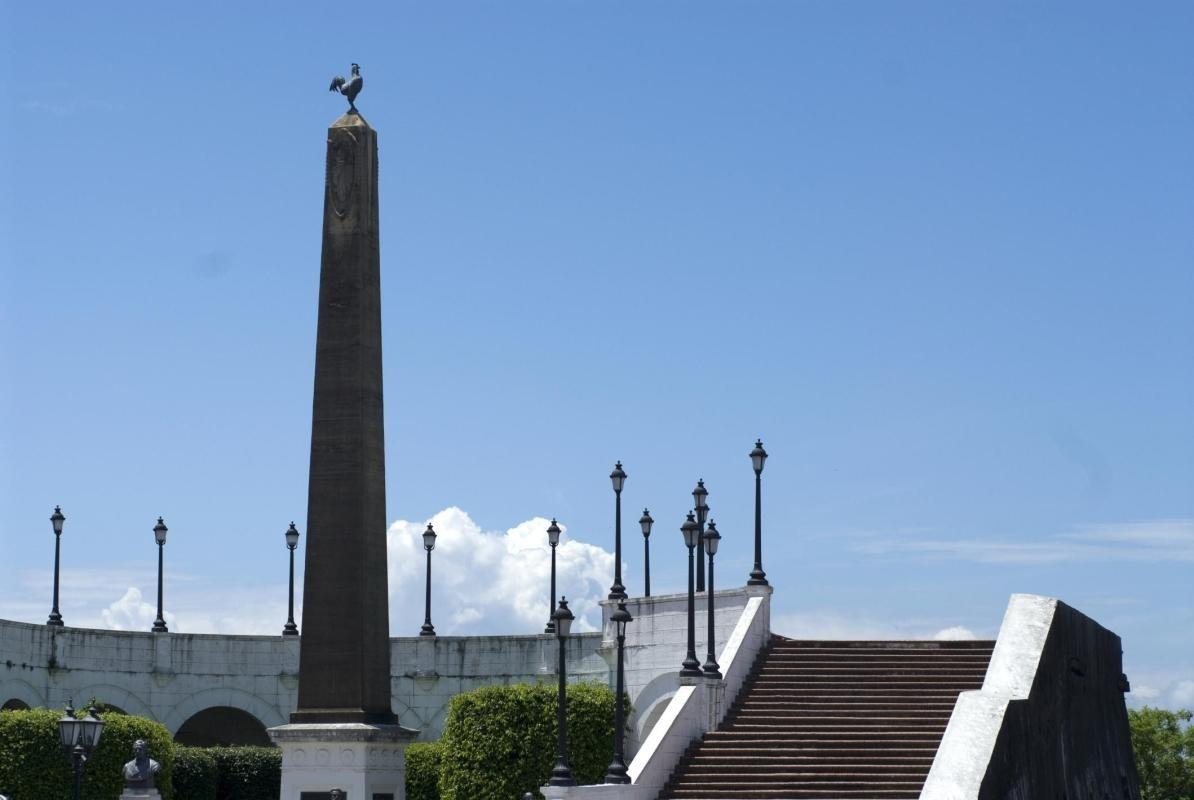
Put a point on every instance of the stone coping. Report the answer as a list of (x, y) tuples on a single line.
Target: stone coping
[(341, 732), (271, 637)]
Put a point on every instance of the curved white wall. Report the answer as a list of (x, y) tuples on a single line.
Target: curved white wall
[(172, 676)]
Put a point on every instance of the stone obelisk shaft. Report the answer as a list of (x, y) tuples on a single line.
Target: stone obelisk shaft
[(344, 662)]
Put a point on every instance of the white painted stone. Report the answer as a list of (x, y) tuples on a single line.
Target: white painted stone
[(363, 760), (969, 741), (171, 676), (696, 707)]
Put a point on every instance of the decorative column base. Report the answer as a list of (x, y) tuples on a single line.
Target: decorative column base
[(140, 794), (368, 762)]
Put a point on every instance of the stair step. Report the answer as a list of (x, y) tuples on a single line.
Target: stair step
[(813, 753), (764, 772), (835, 720), (761, 739)]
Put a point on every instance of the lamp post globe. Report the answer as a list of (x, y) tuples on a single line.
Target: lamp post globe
[(618, 478), (159, 536), (691, 668), (561, 774), (711, 539), (553, 539), (699, 494), (617, 767), (645, 522), (292, 539), (79, 738), (758, 457), (56, 520), (428, 544)]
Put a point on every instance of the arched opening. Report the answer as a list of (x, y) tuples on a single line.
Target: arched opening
[(15, 705), (221, 726), (107, 708)]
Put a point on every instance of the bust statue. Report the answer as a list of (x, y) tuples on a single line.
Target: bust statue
[(138, 773)]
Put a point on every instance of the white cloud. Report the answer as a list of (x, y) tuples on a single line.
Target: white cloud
[(483, 582), (824, 624), (955, 633), (1181, 695), (131, 613), (1177, 692), (1149, 540), (488, 581), (194, 608)]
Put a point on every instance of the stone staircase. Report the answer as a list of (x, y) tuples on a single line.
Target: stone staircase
[(840, 720)]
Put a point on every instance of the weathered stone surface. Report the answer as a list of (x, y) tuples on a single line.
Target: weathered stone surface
[(345, 660), (367, 761), (1050, 719), (171, 677)]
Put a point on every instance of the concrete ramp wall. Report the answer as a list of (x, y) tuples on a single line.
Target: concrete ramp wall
[(1050, 720)]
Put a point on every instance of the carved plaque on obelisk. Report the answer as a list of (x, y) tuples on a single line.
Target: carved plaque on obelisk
[(344, 661)]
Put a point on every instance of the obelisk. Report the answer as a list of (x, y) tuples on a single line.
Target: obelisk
[(344, 664), (344, 732)]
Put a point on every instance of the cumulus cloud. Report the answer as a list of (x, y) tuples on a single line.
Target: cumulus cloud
[(131, 613), (491, 581), (194, 608), (955, 633), (483, 582)]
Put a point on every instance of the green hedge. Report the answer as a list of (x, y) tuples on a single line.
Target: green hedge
[(500, 741), (196, 774), (248, 773), (34, 765), (422, 770)]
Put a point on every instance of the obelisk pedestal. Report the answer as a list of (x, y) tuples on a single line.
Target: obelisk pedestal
[(344, 732)]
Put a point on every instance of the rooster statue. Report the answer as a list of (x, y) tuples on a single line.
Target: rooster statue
[(349, 88)]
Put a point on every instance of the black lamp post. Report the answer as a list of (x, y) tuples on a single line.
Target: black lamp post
[(428, 544), (79, 737), (646, 522), (618, 477), (561, 775), (702, 513), (692, 534), (56, 519), (292, 537), (757, 457), (159, 535), (617, 768), (712, 538), (553, 539)]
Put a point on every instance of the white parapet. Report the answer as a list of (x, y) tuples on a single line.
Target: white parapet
[(367, 762), (969, 741), (1050, 719), (694, 708)]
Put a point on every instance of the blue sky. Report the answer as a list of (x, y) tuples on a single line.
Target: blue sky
[(938, 256)]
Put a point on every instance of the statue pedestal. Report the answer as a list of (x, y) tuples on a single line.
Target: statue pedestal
[(367, 761), (140, 794)]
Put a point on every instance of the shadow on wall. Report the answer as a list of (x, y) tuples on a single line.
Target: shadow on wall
[(222, 726)]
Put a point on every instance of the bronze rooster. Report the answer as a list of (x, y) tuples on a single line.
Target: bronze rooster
[(349, 88)]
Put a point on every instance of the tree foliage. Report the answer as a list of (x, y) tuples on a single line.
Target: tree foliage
[(500, 741), (1164, 745), (248, 773), (422, 770), (33, 763), (196, 774)]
